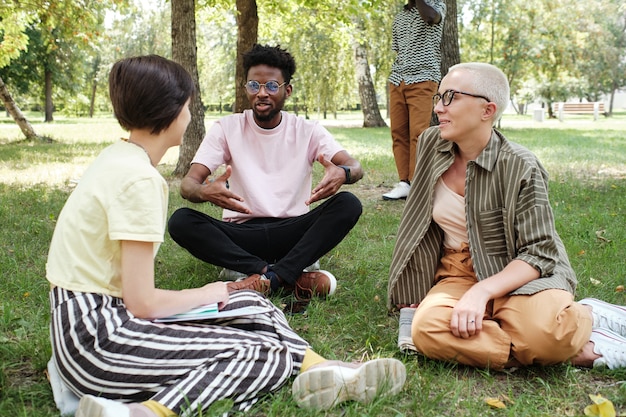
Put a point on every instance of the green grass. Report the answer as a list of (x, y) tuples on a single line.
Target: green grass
[(587, 164)]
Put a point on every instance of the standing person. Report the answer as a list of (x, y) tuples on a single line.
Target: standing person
[(477, 248), (415, 74), (106, 345), (267, 232)]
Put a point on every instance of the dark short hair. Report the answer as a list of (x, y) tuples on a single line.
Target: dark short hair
[(148, 92), (272, 56)]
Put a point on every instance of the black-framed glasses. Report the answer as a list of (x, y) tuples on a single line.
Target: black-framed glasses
[(272, 87), (448, 95)]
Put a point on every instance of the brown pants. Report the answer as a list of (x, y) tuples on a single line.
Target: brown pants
[(544, 328), (410, 110)]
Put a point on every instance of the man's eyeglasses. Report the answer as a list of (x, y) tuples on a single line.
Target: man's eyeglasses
[(272, 87), (448, 95)]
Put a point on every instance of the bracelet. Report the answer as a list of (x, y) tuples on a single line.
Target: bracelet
[(348, 175)]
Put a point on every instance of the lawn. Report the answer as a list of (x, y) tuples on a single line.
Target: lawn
[(587, 164)]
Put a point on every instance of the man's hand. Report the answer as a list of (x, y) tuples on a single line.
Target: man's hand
[(217, 192), (334, 178)]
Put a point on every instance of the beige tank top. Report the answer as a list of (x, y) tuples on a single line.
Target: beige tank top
[(449, 214)]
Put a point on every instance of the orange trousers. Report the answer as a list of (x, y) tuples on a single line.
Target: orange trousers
[(544, 328), (410, 110)]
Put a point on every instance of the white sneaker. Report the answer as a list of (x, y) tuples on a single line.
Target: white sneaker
[(607, 316), (326, 386), (90, 406), (65, 400), (400, 191), (611, 346)]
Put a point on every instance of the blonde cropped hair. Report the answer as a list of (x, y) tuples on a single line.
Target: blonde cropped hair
[(489, 81)]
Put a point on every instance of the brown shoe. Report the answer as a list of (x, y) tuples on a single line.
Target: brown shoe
[(315, 284), (254, 282)]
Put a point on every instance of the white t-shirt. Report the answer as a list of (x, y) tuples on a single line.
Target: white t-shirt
[(121, 196), (271, 167)]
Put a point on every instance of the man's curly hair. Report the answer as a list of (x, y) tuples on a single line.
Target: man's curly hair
[(272, 56)]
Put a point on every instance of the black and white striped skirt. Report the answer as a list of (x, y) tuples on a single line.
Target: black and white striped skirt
[(101, 349)]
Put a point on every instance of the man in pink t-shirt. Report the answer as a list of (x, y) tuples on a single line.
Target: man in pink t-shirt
[(267, 233)]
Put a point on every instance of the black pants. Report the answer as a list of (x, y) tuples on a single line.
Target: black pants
[(290, 244)]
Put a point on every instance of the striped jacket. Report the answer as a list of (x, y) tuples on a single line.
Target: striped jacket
[(508, 217)]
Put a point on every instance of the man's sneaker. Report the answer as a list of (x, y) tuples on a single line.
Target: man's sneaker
[(254, 282), (607, 316), (325, 386), (315, 266), (315, 284), (401, 190), (611, 346), (230, 275)]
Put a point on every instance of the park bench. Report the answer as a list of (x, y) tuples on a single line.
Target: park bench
[(561, 109)]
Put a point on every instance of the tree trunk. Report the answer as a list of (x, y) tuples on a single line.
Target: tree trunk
[(367, 93), (247, 35), (48, 93), (184, 51), (92, 98), (614, 88), (450, 54), (94, 86), (387, 103), (16, 113)]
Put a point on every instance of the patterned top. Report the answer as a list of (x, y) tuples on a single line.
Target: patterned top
[(508, 217), (418, 46)]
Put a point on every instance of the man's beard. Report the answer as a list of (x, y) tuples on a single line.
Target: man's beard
[(268, 116)]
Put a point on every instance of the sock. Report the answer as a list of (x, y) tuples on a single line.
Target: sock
[(310, 358), (159, 409), (275, 282)]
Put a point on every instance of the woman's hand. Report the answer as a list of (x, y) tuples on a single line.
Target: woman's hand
[(468, 313), (217, 292)]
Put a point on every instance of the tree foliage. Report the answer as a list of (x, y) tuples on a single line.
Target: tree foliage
[(51, 34), (550, 51), (13, 22)]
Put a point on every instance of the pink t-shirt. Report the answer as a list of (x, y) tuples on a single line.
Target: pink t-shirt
[(272, 168)]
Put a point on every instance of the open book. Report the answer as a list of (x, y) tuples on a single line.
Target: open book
[(210, 311), (405, 341)]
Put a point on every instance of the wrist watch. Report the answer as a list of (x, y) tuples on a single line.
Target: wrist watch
[(347, 171)]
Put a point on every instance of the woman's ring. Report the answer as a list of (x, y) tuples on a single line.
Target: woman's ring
[(471, 321)]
